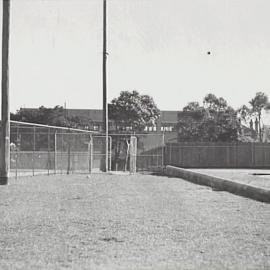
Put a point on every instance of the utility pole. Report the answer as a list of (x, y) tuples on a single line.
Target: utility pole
[(5, 117), (104, 73)]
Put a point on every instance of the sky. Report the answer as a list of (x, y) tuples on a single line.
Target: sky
[(158, 47)]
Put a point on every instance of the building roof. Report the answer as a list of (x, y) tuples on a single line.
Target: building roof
[(93, 114), (168, 116), (96, 114)]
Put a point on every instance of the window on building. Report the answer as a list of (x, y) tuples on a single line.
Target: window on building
[(167, 128), (150, 128)]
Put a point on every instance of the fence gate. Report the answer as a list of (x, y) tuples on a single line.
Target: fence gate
[(98, 153), (133, 154), (138, 152)]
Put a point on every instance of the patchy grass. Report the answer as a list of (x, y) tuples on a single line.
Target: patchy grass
[(129, 222)]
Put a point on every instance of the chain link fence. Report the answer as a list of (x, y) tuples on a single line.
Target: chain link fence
[(137, 152), (39, 149), (150, 152), (98, 153)]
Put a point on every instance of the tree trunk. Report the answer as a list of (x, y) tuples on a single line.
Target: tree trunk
[(260, 129)]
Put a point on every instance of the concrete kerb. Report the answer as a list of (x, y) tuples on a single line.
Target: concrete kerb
[(221, 184)]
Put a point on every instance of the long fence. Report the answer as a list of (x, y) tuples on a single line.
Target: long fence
[(40, 149), (218, 155)]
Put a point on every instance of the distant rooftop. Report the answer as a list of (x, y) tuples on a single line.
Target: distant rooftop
[(93, 114), (96, 114)]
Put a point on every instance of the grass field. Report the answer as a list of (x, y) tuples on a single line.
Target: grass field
[(129, 222)]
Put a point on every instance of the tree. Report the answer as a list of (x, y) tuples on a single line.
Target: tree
[(49, 116), (192, 106), (253, 113), (133, 110), (213, 103), (259, 104), (40, 139), (244, 113), (221, 128), (213, 122), (130, 111)]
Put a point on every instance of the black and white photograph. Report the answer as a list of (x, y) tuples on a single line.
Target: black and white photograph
[(135, 134)]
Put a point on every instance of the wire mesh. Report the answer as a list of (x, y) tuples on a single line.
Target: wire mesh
[(98, 153), (148, 155), (150, 152), (39, 149), (218, 155)]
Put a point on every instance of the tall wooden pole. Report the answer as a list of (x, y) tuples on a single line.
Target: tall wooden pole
[(5, 117), (104, 73)]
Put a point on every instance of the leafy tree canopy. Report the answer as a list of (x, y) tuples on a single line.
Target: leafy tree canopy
[(192, 107), (258, 104), (49, 116), (133, 110), (244, 112), (215, 121), (214, 103)]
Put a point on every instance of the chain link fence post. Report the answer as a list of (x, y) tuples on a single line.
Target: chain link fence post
[(49, 158), (68, 161), (34, 149), (55, 152)]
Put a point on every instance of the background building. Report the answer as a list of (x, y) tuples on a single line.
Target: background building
[(92, 119)]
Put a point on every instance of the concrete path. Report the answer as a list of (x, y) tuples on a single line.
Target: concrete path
[(260, 179)]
